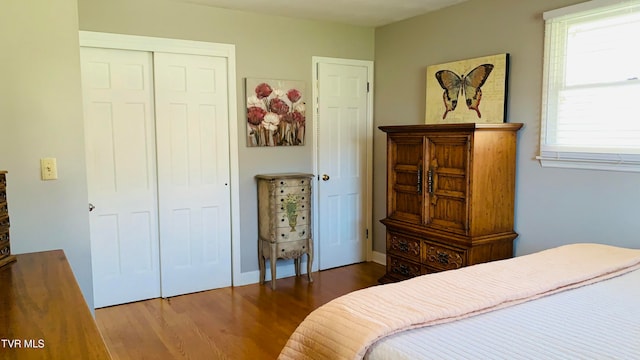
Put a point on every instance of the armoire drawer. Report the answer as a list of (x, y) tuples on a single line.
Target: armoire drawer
[(442, 258), (4, 210), (4, 234), (402, 268), (404, 246), (5, 250)]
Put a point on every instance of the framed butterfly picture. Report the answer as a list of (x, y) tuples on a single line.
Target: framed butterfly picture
[(473, 90)]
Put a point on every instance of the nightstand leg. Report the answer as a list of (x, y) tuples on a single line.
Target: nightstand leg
[(261, 261), (296, 262), (272, 261), (309, 262)]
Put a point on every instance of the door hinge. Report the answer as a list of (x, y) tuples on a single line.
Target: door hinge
[(367, 86), (366, 232)]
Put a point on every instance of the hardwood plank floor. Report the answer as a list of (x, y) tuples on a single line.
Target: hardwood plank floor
[(246, 322)]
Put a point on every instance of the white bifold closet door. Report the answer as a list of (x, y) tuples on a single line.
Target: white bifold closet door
[(156, 128), (193, 172)]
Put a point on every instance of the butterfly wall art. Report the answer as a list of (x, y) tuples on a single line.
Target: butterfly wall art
[(456, 90)]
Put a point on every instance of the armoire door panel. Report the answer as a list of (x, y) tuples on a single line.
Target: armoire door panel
[(448, 182), (407, 177)]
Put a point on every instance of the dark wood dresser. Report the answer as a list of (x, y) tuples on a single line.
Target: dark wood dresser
[(5, 241), (43, 314), (450, 196)]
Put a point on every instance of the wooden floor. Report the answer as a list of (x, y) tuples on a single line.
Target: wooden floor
[(247, 322)]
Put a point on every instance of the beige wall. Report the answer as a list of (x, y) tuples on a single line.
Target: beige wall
[(553, 206), (41, 116), (41, 108), (266, 47)]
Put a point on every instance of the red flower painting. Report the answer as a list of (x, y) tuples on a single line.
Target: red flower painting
[(275, 113)]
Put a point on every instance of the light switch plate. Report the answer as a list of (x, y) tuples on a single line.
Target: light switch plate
[(48, 169)]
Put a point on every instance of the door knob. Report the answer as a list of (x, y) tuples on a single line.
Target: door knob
[(91, 207), (325, 177)]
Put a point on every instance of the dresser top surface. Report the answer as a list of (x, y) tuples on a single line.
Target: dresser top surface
[(283, 176), (41, 299), (451, 127)]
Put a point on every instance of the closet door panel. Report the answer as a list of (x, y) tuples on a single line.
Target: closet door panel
[(121, 174), (193, 172)]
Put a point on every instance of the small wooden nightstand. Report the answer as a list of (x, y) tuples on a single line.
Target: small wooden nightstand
[(284, 221)]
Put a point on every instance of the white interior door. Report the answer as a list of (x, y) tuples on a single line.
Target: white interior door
[(121, 173), (193, 172), (342, 163)]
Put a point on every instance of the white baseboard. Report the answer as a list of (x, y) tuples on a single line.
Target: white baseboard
[(379, 258), (287, 269), (283, 270)]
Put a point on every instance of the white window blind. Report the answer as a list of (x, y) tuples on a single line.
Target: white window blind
[(591, 86)]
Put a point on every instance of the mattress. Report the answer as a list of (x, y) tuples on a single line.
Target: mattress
[(597, 321)]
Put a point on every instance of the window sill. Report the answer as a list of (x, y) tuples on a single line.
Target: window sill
[(590, 161)]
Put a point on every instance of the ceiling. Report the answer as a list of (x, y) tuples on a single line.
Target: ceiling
[(354, 12)]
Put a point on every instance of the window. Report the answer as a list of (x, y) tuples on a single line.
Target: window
[(591, 87)]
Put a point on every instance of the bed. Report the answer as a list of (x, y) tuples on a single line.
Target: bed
[(573, 301)]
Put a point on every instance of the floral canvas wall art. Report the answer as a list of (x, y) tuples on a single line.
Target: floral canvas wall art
[(275, 112)]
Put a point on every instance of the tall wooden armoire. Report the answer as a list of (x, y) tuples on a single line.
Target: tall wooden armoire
[(450, 196)]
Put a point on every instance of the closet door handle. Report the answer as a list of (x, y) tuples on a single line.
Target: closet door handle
[(91, 207)]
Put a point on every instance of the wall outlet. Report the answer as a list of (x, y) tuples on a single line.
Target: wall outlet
[(48, 169)]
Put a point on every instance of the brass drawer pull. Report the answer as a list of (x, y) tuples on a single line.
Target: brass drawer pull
[(442, 257), (404, 270), (403, 246)]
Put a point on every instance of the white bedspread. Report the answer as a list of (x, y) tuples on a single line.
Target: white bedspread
[(347, 326), (599, 321)]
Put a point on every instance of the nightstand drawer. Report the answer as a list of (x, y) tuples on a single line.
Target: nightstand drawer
[(300, 232), (301, 219), (404, 246), (302, 203), (300, 191), (304, 181), (291, 249), (441, 257)]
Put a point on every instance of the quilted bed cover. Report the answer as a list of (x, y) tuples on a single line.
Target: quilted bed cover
[(346, 327)]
